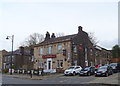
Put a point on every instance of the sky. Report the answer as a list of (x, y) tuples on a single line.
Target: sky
[(25, 17)]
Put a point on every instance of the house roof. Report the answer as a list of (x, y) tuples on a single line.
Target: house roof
[(58, 39), (17, 52)]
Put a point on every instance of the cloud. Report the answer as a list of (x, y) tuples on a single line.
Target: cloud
[(108, 44)]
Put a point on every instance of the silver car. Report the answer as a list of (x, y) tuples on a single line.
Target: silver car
[(73, 70)]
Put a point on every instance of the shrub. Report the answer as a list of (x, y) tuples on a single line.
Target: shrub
[(6, 70)]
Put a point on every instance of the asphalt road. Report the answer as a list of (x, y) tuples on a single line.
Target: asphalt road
[(60, 80), (63, 80)]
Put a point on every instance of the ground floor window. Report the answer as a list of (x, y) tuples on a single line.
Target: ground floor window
[(59, 63), (41, 65)]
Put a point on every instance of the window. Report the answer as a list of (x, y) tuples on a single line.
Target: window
[(13, 57), (57, 63), (50, 50), (61, 63), (41, 51), (75, 49), (59, 48), (41, 65)]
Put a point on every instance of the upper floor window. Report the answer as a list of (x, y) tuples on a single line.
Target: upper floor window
[(50, 50), (41, 51), (75, 49), (59, 48)]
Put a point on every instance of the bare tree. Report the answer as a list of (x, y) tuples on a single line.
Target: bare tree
[(92, 38), (33, 39), (59, 34)]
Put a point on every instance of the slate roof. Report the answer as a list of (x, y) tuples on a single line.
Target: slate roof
[(54, 40), (17, 52)]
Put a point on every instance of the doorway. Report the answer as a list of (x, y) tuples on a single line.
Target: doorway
[(49, 64)]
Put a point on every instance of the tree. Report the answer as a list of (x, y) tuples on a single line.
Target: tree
[(92, 38), (33, 39), (59, 34), (116, 51)]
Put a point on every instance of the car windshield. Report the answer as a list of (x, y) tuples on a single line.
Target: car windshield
[(71, 67), (114, 64), (85, 69), (103, 67)]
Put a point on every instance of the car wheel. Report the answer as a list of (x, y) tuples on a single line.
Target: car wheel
[(74, 73), (111, 73), (106, 74), (88, 73), (95, 75)]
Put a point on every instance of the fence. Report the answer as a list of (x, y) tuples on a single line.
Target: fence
[(115, 60)]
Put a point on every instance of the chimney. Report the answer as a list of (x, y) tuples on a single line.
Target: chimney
[(53, 35), (22, 50), (47, 36), (31, 51), (80, 29)]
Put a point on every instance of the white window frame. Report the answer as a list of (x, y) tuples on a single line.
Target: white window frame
[(41, 51), (59, 48), (61, 61), (58, 64), (75, 49), (49, 50)]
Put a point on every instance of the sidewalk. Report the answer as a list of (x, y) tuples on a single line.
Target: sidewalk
[(34, 77)]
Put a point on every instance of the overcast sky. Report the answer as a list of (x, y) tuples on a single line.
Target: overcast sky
[(23, 18)]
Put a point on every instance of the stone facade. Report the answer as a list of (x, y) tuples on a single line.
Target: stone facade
[(75, 49), (2, 53), (21, 59), (102, 56)]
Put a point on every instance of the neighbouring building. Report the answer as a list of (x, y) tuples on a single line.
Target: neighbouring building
[(22, 58), (102, 55), (2, 53), (59, 53)]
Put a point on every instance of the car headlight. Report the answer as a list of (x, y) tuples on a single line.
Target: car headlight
[(85, 71), (103, 71)]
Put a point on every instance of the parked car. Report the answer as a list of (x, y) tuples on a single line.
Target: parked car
[(87, 71), (118, 66), (97, 66), (114, 67), (73, 70), (104, 71)]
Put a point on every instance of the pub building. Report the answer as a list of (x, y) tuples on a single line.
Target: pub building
[(55, 54)]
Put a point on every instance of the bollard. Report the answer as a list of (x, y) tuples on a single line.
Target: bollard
[(31, 73)]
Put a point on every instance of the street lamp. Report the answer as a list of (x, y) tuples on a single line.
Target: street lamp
[(12, 38)]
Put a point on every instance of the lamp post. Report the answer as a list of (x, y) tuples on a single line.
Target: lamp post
[(12, 38)]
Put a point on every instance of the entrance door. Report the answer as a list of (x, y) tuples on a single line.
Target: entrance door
[(49, 64)]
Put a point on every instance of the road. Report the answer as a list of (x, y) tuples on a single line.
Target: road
[(64, 80)]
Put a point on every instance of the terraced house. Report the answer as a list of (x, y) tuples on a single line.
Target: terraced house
[(58, 53)]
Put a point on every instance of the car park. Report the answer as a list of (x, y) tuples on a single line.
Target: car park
[(104, 71), (87, 71), (114, 67), (73, 70)]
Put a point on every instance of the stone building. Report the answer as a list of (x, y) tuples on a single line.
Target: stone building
[(61, 52), (102, 55), (2, 53), (21, 59)]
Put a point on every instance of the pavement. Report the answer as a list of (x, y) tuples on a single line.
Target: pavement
[(34, 77)]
